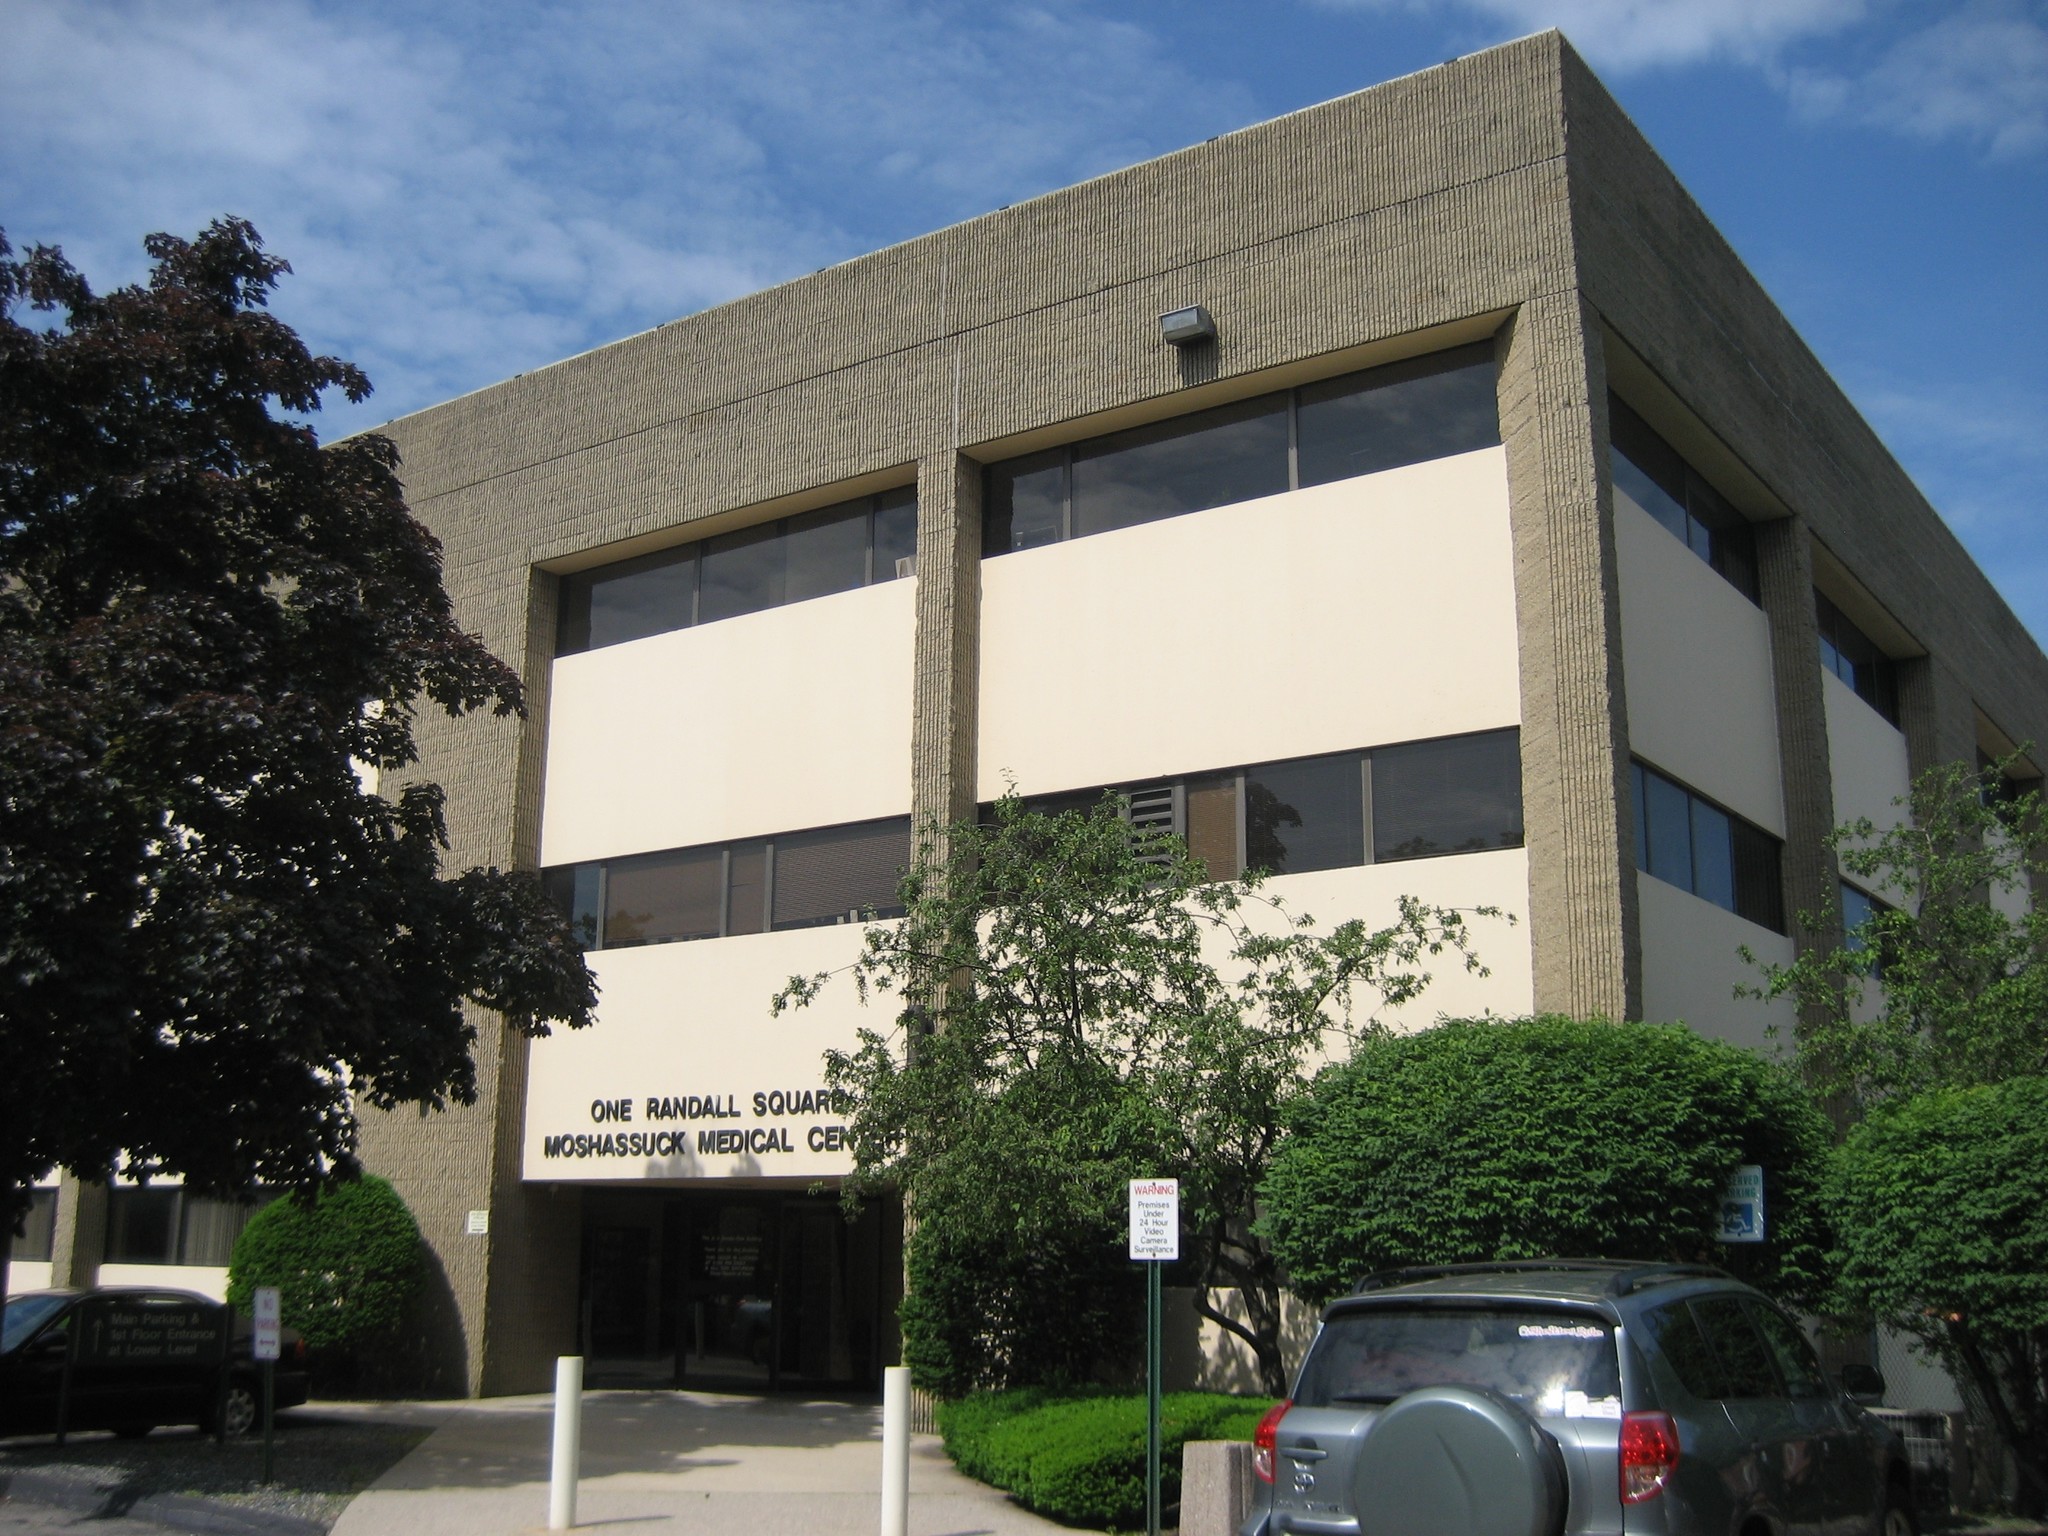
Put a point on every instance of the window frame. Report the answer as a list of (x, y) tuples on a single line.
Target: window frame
[(1446, 360), (575, 589), (1741, 831)]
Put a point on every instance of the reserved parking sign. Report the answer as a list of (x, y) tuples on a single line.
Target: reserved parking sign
[(269, 1333)]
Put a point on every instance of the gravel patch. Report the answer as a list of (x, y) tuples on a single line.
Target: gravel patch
[(322, 1460)]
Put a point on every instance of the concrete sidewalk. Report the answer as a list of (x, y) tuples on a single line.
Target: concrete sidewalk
[(676, 1463)]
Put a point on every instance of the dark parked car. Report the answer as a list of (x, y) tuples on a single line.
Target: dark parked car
[(138, 1357), (1560, 1397)]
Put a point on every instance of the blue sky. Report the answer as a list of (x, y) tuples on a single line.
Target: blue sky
[(471, 188)]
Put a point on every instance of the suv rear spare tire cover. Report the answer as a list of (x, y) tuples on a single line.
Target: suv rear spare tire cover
[(1449, 1461)]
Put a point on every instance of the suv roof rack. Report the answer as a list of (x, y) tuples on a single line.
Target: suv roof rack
[(1628, 1275)]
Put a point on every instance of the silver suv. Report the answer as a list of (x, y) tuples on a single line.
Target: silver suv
[(1573, 1396)]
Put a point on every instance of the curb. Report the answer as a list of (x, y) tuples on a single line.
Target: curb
[(134, 1497)]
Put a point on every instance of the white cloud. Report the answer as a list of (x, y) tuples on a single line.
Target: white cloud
[(467, 190), (1979, 73), (1624, 35)]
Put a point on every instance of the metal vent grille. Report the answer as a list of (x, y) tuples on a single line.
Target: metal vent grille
[(1155, 810)]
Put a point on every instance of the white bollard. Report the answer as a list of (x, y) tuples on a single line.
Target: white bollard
[(568, 1442), (896, 1451)]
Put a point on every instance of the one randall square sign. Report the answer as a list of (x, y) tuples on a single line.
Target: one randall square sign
[(781, 1130)]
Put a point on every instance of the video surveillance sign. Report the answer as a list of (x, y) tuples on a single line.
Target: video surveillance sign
[(1155, 1219)]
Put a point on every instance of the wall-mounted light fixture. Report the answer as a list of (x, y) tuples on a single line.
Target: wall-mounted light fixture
[(1187, 327)]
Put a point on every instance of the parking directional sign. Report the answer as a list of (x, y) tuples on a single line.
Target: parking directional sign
[(1155, 1219), (269, 1334)]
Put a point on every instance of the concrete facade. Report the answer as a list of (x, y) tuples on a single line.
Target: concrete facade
[(1503, 196)]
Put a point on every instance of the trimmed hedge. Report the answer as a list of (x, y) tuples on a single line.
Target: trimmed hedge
[(1079, 1457), (347, 1267)]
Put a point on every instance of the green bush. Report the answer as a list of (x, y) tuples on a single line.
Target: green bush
[(347, 1266), (1941, 1202), (1493, 1139), (1079, 1457)]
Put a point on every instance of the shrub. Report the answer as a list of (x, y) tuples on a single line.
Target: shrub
[(1079, 1457), (346, 1265), (1492, 1139), (1941, 1201)]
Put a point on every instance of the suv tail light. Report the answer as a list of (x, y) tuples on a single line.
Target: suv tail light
[(1649, 1455), (1265, 1439)]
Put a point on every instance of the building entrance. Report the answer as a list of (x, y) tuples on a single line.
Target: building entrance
[(755, 1291)]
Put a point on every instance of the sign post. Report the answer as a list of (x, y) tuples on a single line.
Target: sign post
[(265, 1344), (1155, 1241)]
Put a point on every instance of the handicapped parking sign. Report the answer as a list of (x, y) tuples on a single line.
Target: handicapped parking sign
[(1742, 1206)]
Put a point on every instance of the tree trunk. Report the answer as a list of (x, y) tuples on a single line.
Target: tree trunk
[(2024, 1443)]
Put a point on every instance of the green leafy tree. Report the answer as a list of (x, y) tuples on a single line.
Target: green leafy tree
[(215, 943), (1939, 985), (1487, 1139), (347, 1264), (1941, 1200), (1078, 1005)]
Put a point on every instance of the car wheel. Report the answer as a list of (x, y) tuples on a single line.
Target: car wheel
[(1900, 1519), (237, 1410), (1448, 1461)]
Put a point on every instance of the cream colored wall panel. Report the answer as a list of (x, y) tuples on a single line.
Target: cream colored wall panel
[(1373, 610), (1697, 659), (690, 1023), (1866, 758), (1372, 893), (27, 1275), (207, 1279), (1691, 968), (771, 722)]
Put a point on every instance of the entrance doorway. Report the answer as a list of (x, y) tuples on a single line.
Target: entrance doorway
[(748, 1290)]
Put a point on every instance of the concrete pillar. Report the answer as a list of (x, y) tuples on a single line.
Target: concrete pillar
[(1217, 1487), (947, 658), (1785, 577), (79, 1245), (1576, 802)]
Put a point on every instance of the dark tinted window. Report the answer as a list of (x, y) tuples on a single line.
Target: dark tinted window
[(841, 874), (1744, 1359), (810, 555), (1027, 503), (39, 1229), (1555, 1363), (658, 898), (1403, 413), (142, 1226), (1234, 453), (207, 1228), (1680, 1342), (1695, 845), (1459, 795), (1426, 408), (1797, 1366), (1303, 815), (1759, 882), (577, 891), (895, 535), (1651, 473), (1212, 824), (746, 902), (1713, 855), (1853, 656), (743, 573), (825, 552), (627, 601)]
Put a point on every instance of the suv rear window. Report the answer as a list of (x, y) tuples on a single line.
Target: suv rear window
[(1556, 1364)]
